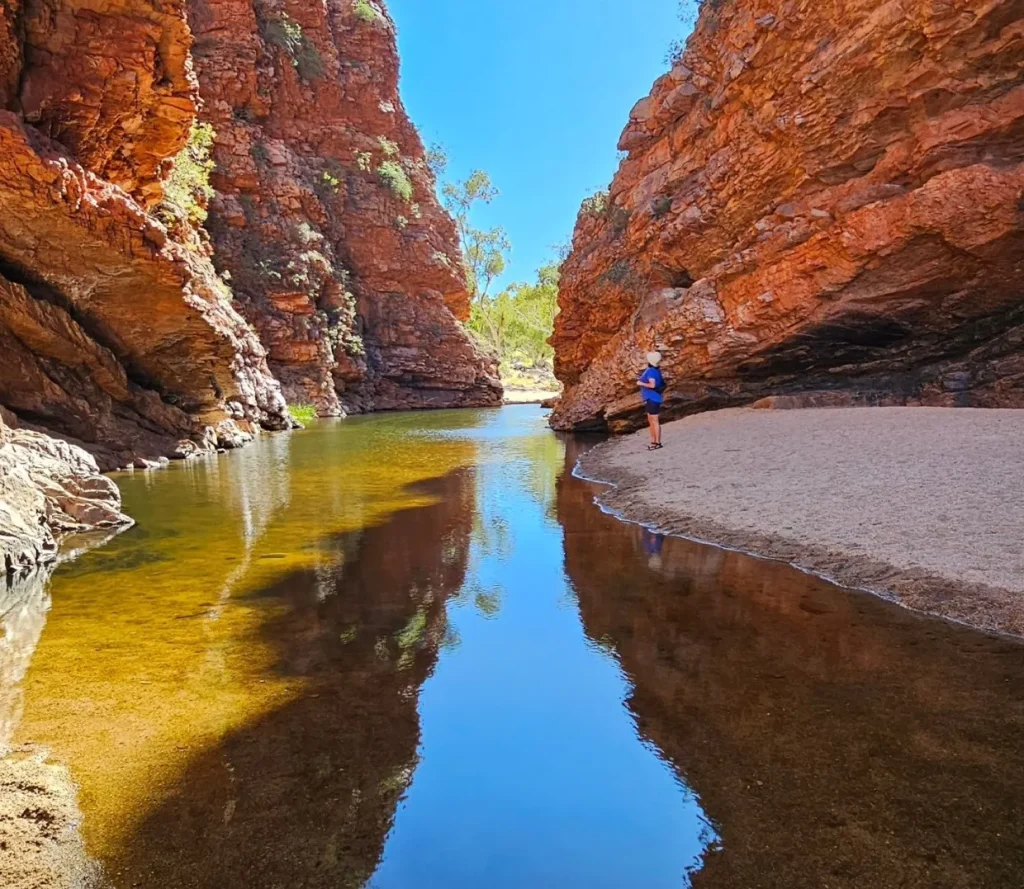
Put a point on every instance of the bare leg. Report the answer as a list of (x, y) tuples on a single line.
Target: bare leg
[(656, 429)]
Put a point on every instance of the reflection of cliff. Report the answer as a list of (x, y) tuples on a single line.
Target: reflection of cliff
[(306, 795), (23, 607), (834, 739)]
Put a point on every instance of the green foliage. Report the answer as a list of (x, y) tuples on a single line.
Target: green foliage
[(364, 160), (389, 148), (188, 189), (285, 33), (689, 12), (437, 160), (515, 324), (595, 205), (366, 11), (331, 181), (307, 234), (303, 413), (308, 62), (258, 152), (395, 177), (485, 250), (661, 205)]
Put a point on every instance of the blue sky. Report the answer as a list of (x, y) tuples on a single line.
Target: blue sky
[(535, 92)]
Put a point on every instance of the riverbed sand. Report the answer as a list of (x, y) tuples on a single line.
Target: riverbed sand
[(923, 505)]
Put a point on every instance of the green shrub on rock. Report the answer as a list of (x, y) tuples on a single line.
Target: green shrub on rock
[(395, 177), (188, 189)]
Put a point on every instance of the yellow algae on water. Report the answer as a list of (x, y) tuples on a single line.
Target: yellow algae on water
[(153, 652)]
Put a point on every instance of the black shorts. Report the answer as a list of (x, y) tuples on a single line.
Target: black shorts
[(653, 408)]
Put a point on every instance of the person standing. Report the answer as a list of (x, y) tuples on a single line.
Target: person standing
[(652, 387)]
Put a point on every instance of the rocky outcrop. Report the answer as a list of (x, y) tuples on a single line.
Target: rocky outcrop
[(819, 201), (117, 335), (113, 83), (165, 351), (326, 216), (48, 489), (118, 332)]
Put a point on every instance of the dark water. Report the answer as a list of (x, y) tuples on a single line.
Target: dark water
[(409, 651)]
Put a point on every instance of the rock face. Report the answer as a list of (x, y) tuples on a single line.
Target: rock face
[(325, 215), (129, 340), (48, 488), (820, 202), (116, 335)]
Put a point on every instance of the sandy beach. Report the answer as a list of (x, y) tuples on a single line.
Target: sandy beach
[(922, 505)]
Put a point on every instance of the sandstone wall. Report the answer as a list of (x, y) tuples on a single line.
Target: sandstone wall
[(116, 336), (118, 331), (820, 201), (326, 216)]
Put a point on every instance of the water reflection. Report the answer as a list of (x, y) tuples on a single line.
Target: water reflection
[(23, 606), (408, 651), (835, 740), (305, 796), (156, 648), (531, 770)]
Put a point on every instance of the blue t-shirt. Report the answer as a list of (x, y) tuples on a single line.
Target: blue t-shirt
[(652, 374)]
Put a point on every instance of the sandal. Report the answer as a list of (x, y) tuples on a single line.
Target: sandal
[(654, 447)]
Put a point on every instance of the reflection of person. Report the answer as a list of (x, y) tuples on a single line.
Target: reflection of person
[(653, 542), (652, 384)]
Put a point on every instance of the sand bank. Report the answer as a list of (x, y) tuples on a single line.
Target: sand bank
[(923, 505)]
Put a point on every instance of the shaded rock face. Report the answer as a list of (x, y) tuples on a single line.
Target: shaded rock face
[(325, 215), (819, 201), (48, 488), (161, 338), (116, 336)]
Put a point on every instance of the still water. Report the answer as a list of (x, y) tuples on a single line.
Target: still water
[(409, 651)]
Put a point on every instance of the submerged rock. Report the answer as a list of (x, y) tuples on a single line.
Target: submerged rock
[(819, 201)]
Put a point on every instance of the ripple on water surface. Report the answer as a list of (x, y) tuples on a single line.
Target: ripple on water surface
[(408, 651)]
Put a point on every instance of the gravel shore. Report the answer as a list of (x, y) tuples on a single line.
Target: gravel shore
[(922, 505)]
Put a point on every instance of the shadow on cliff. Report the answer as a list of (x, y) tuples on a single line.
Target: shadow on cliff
[(835, 739), (306, 796)]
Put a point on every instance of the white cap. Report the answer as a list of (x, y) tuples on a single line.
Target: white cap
[(654, 358)]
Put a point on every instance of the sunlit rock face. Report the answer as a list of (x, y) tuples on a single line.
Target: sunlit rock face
[(116, 335), (326, 216), (820, 202), (48, 488), (119, 332)]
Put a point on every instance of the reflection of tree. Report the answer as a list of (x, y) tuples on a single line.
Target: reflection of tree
[(305, 796), (488, 604), (835, 740)]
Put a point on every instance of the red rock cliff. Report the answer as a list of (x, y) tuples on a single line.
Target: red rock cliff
[(326, 216), (821, 199), (113, 334)]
